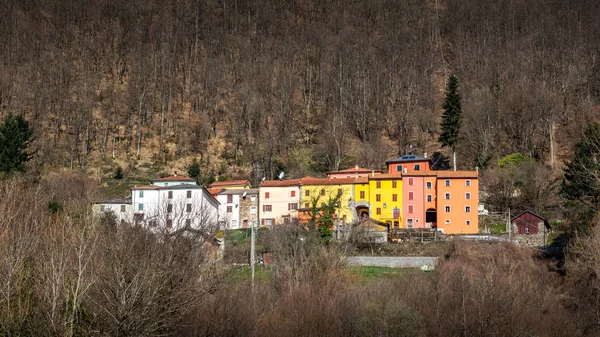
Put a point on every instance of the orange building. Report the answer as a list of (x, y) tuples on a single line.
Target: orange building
[(408, 163), (457, 200)]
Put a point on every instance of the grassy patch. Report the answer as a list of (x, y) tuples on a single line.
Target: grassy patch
[(497, 228), (368, 273), (261, 274)]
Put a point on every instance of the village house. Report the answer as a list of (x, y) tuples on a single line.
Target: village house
[(238, 208), (278, 201)]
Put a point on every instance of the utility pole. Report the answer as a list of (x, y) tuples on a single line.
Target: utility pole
[(509, 226), (252, 252)]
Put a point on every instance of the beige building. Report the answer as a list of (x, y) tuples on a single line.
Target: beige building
[(279, 201)]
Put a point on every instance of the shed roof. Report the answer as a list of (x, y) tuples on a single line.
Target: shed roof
[(521, 218)]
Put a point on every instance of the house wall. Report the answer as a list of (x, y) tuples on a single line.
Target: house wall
[(231, 219), (248, 210), (386, 204), (344, 212), (458, 216), (203, 209), (116, 208), (418, 205), (393, 168), (280, 198)]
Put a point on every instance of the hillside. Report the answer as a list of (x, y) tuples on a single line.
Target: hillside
[(254, 87)]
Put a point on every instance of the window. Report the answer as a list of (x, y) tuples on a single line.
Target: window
[(188, 222), (447, 222), (229, 199), (123, 208), (189, 194), (253, 210), (140, 207), (267, 208), (447, 209), (229, 209), (467, 183), (526, 230), (362, 194), (468, 196), (377, 197), (267, 195), (170, 195), (409, 223), (411, 195), (169, 223), (268, 222), (411, 209), (307, 193), (153, 223), (253, 198), (292, 193), (468, 222), (322, 191), (399, 168), (292, 206), (306, 205), (447, 182), (468, 209), (394, 184), (378, 211), (411, 181), (378, 184), (141, 194), (339, 191), (447, 196), (234, 224), (170, 208), (428, 184), (394, 197), (102, 208), (429, 198), (188, 208), (417, 167)]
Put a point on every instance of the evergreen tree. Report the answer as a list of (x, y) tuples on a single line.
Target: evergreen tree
[(194, 169), (582, 174), (451, 119), (15, 138)]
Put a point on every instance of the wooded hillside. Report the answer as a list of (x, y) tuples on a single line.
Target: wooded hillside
[(304, 85)]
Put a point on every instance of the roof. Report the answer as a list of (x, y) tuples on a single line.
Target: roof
[(174, 178), (457, 174), (355, 169), (546, 224), (280, 183), (406, 159), (172, 187), (385, 176), (229, 183), (332, 181), (239, 191), (214, 191)]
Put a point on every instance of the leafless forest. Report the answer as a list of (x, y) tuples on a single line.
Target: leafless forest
[(302, 85)]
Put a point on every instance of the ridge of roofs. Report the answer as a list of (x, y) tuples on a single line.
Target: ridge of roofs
[(174, 178), (235, 191), (406, 159), (280, 183), (355, 169), (229, 183), (385, 176)]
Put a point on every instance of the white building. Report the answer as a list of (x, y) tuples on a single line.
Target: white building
[(121, 209), (238, 207), (175, 203)]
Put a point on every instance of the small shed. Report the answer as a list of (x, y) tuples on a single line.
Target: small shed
[(530, 223)]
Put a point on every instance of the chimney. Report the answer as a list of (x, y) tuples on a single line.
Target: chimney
[(372, 173), (477, 169), (425, 154), (356, 167), (175, 174)]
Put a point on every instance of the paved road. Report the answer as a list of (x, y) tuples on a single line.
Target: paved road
[(392, 261)]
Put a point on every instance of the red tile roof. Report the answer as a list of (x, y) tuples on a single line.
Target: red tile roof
[(146, 187), (457, 174), (280, 183), (174, 178), (229, 183), (355, 169), (214, 191)]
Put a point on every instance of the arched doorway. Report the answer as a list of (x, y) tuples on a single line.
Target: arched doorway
[(362, 212), (431, 218)]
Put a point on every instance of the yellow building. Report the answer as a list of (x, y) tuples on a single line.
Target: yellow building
[(321, 190), (385, 199)]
